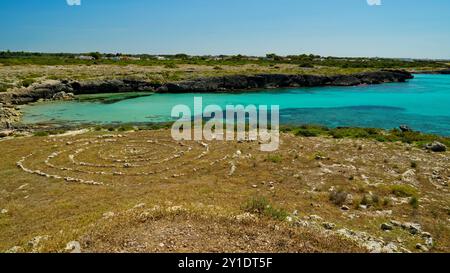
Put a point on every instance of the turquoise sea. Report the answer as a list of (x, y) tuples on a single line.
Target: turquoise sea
[(422, 103)]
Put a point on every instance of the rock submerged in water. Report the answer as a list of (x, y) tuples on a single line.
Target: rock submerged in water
[(63, 96), (436, 147)]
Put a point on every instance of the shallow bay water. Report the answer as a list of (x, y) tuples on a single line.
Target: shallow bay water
[(422, 103)]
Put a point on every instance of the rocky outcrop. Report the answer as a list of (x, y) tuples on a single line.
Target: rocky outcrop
[(64, 90), (441, 72), (214, 84), (436, 147), (63, 96), (267, 81), (8, 114), (54, 89), (111, 86), (445, 72)]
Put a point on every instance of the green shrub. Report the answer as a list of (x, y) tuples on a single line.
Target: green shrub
[(262, 207), (274, 158), (27, 82), (414, 202), (365, 201), (276, 213), (256, 205), (338, 197), (4, 87), (170, 66), (125, 128), (354, 132), (306, 133), (404, 191), (375, 199), (41, 134)]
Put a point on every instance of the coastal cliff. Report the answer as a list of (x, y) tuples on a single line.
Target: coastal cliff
[(230, 83), (269, 81)]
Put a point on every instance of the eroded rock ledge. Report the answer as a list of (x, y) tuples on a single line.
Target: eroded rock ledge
[(61, 89), (214, 84)]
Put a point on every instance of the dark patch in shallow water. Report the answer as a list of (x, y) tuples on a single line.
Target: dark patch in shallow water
[(366, 116)]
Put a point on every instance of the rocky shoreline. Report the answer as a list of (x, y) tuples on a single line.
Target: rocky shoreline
[(436, 72), (56, 89)]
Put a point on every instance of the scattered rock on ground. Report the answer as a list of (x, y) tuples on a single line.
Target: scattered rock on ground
[(73, 247), (15, 249), (34, 243), (436, 147), (386, 227), (6, 133), (413, 228), (329, 226), (409, 176), (422, 247), (109, 214)]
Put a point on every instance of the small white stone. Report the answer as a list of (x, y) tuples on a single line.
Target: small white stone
[(108, 214), (73, 247)]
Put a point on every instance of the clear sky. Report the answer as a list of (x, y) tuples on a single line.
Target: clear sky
[(396, 28)]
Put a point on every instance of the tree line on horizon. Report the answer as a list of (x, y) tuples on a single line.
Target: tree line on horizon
[(303, 60)]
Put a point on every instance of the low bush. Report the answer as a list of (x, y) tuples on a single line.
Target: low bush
[(274, 158), (41, 134), (414, 202), (338, 197), (404, 191), (27, 82), (261, 206)]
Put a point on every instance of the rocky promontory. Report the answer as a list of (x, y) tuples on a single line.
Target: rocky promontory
[(230, 83), (269, 81)]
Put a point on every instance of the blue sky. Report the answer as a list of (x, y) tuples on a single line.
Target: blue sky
[(397, 28)]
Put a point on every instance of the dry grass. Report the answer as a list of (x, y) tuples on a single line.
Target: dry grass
[(210, 198)]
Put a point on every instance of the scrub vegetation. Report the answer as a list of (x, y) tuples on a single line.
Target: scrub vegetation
[(128, 188)]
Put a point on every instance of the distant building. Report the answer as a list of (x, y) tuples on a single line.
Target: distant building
[(115, 58), (128, 58), (133, 58), (85, 57)]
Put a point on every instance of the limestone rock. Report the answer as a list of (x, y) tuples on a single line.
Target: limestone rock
[(63, 96), (436, 147), (73, 247), (386, 227)]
